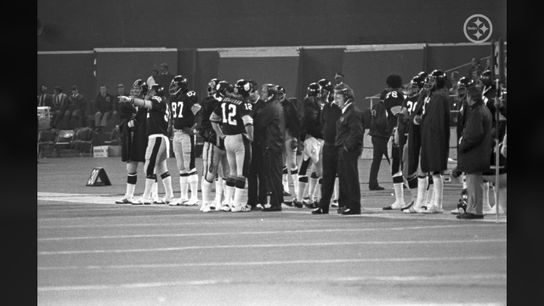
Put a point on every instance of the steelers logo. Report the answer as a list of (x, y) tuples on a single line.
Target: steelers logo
[(478, 28)]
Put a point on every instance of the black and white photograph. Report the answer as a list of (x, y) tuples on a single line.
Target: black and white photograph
[(272, 152)]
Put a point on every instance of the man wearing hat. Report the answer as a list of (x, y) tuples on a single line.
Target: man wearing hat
[(474, 150), (349, 144)]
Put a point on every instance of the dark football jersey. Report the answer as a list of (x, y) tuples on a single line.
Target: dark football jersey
[(158, 116), (229, 113), (205, 126), (393, 101), (180, 106)]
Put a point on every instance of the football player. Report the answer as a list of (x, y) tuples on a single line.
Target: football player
[(394, 98), (184, 108), (214, 159), (462, 85), (158, 146), (435, 136), (292, 127), (132, 129), (233, 113), (311, 134)]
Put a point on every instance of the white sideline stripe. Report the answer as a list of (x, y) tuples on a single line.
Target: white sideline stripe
[(321, 231), (271, 263), (277, 245), (178, 224), (358, 279)]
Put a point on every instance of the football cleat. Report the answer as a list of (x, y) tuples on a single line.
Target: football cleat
[(125, 201), (191, 202), (334, 203), (241, 208)]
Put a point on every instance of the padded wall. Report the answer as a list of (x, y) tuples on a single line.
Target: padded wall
[(365, 72), (276, 70), (318, 64), (124, 67), (67, 69), (447, 57)]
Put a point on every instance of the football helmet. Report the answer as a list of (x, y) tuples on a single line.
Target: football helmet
[(238, 85), (244, 87), (158, 89), (281, 92), (222, 89), (139, 88), (178, 83), (435, 80), (487, 78), (324, 84), (462, 85), (312, 89), (270, 91), (211, 86)]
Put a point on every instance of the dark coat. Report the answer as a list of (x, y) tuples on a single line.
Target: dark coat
[(349, 131), (272, 124), (379, 126), (104, 104), (475, 145), (45, 99), (435, 132)]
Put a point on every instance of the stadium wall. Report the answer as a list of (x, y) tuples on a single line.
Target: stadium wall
[(85, 25)]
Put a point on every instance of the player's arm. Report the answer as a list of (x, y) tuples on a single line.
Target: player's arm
[(136, 101), (248, 125), (215, 120)]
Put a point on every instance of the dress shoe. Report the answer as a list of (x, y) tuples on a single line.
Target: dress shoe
[(348, 211), (376, 188), (407, 206), (272, 208), (320, 211), (469, 216), (297, 204), (341, 209)]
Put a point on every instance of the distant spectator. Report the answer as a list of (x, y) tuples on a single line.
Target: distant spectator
[(74, 110), (152, 79), (488, 65), (475, 69), (104, 106), (164, 77), (59, 100), (44, 99), (339, 81)]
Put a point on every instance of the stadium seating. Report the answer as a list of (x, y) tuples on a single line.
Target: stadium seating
[(83, 140)]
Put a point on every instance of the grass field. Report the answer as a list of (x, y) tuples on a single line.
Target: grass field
[(94, 252)]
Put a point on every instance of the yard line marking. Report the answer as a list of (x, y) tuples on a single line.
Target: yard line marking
[(271, 263), (276, 245), (359, 279), (299, 231)]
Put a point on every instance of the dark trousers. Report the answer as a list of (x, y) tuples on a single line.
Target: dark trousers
[(379, 149), (273, 166), (256, 187), (348, 177), (330, 161)]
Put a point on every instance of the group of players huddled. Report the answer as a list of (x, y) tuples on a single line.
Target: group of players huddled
[(418, 118)]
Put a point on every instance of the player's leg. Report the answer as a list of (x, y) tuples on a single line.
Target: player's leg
[(220, 201), (243, 158), (151, 152), (208, 175), (132, 178), (162, 170), (231, 146), (302, 180), (437, 194), (291, 162), (398, 181), (188, 153), (183, 173)]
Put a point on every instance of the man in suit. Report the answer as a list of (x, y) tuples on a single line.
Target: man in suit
[(349, 145), (59, 100)]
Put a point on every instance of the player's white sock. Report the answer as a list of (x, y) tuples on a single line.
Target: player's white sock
[(206, 192), (294, 178), (285, 180), (155, 189), (313, 184), (438, 191), (167, 183), (193, 182), (218, 192), (317, 192), (131, 185), (421, 190), (302, 187), (183, 185), (237, 200), (429, 192), (464, 180), (229, 192), (147, 189), (398, 187), (336, 189)]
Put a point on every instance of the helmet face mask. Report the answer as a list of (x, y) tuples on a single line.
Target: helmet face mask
[(486, 78), (178, 83), (312, 90), (212, 86), (138, 89)]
